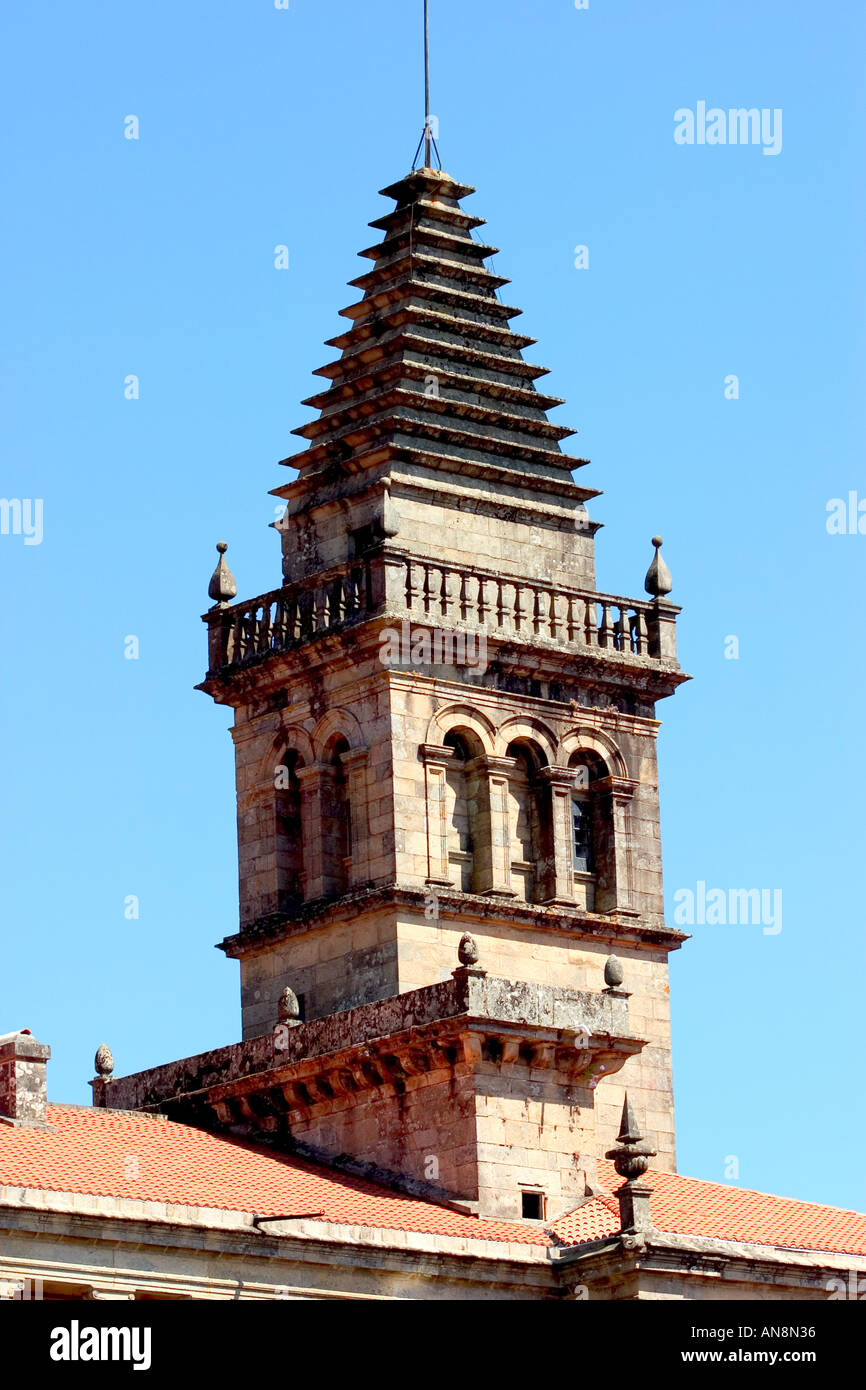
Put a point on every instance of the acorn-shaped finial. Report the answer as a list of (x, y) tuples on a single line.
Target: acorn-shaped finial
[(288, 1009), (222, 587), (658, 580), (613, 972), (103, 1061), (467, 951)]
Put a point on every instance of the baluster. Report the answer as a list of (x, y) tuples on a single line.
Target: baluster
[(605, 631), (244, 646), (500, 603), (280, 633), (446, 591), (293, 618), (553, 616), (350, 593), (338, 599), (320, 603), (639, 633), (428, 588), (621, 630), (263, 636), (411, 587), (464, 598), (537, 611), (573, 630), (356, 594), (590, 623), (483, 605), (517, 610)]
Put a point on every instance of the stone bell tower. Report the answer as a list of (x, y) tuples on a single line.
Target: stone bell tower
[(446, 743)]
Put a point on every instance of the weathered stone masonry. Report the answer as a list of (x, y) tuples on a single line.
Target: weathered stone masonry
[(503, 784)]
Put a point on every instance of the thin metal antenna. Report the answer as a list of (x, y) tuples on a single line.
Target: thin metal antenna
[(426, 84), (428, 139)]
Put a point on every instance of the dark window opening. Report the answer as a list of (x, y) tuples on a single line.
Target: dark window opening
[(532, 1206), (458, 744), (581, 835), (364, 539)]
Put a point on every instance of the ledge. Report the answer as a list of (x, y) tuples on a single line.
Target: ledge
[(606, 927), (592, 1029)]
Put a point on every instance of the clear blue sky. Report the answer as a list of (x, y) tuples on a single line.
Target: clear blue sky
[(155, 258)]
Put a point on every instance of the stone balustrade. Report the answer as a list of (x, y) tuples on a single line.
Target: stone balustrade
[(527, 608), (451, 596), (286, 617)]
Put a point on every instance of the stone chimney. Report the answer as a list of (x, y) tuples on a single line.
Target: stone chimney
[(23, 1095)]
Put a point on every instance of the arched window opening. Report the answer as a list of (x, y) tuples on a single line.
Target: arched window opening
[(592, 832), (583, 858), (288, 835), (462, 802), (530, 822), (336, 822)]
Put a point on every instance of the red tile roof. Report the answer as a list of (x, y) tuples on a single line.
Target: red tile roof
[(111, 1153), (692, 1207), (143, 1157)]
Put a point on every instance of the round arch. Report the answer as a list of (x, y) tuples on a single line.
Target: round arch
[(453, 718), (526, 730), (336, 724), (593, 741)]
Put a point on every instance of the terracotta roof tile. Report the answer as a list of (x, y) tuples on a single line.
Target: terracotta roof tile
[(146, 1158), (693, 1207)]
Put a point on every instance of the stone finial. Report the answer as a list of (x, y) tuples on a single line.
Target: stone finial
[(222, 587), (631, 1159), (613, 972), (658, 580), (103, 1061), (288, 1009), (632, 1154), (467, 951)]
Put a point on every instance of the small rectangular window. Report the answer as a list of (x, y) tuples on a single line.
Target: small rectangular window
[(532, 1206)]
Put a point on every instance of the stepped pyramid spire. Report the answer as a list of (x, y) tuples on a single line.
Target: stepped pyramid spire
[(431, 373)]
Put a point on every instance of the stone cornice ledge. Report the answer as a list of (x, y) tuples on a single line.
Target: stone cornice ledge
[(590, 1027), (608, 928)]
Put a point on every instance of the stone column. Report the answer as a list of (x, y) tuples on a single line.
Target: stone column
[(493, 841), (560, 885), (621, 791), (355, 765), (436, 761), (310, 779)]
